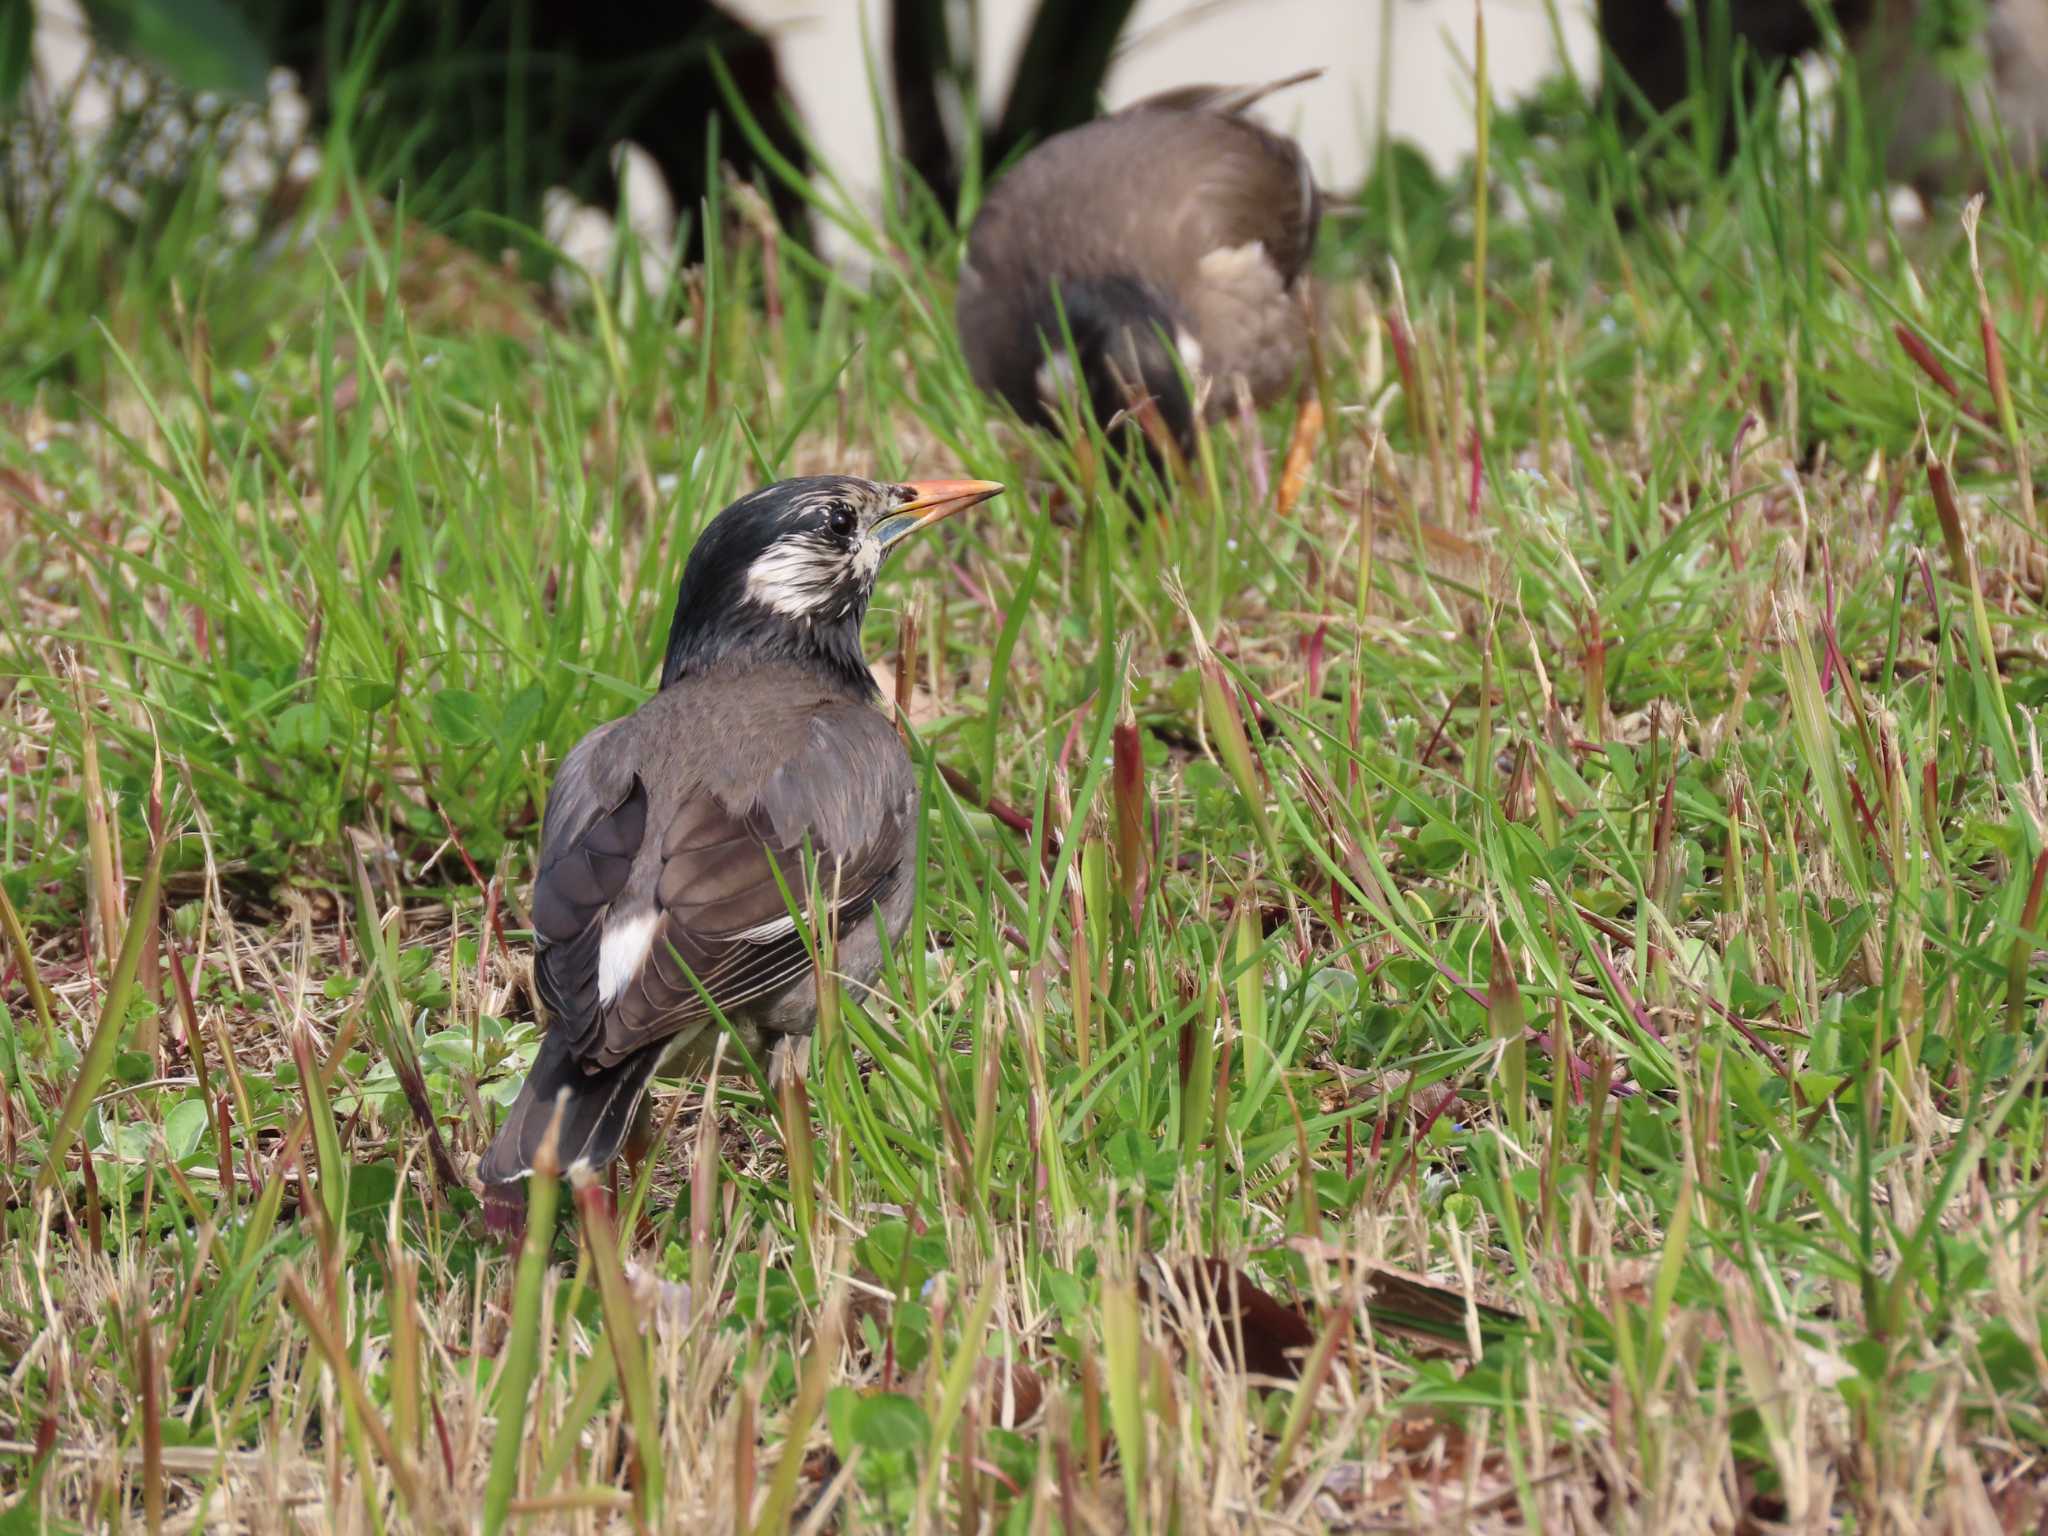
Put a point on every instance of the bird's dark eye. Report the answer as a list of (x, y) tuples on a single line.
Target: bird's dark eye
[(840, 519)]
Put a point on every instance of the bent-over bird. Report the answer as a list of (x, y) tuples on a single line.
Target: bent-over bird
[(1174, 234), (671, 835)]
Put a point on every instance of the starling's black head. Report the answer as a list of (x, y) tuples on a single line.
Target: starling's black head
[(1129, 347), (785, 574)]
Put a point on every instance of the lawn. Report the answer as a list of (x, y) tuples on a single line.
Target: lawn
[(1532, 855)]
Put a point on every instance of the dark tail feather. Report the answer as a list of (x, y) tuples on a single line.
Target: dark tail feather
[(597, 1112)]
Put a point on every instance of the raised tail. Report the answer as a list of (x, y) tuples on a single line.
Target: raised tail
[(1223, 100), (597, 1112)]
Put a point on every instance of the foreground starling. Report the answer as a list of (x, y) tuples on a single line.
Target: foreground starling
[(1171, 236), (672, 834)]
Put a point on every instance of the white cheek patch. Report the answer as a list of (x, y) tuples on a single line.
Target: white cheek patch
[(866, 558), (1055, 377), (627, 944), (796, 578)]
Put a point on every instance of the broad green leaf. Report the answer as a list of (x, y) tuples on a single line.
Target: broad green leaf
[(458, 715), (185, 1127), (888, 1421)]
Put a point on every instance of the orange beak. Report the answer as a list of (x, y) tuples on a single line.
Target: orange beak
[(932, 501)]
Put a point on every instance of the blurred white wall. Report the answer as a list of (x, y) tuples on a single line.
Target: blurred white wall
[(829, 52), (821, 44)]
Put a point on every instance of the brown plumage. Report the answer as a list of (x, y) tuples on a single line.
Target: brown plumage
[(675, 839), (1176, 235)]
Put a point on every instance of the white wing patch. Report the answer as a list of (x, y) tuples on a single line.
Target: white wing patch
[(627, 944)]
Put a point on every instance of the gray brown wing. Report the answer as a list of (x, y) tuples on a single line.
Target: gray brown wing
[(847, 795), (1149, 191), (1240, 183), (1267, 177)]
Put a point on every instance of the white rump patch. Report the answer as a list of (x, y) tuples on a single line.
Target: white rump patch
[(627, 944), (1190, 353), (1243, 268), (796, 578), (1251, 326)]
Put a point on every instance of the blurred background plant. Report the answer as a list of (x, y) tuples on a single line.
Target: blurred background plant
[(502, 117)]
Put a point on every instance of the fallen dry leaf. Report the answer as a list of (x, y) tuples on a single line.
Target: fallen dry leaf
[(1301, 449), (1276, 1334)]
